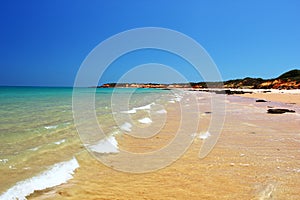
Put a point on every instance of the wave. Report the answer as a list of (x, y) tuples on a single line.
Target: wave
[(146, 107), (133, 110), (4, 160), (126, 127), (35, 148), (129, 111), (51, 127), (163, 111), (56, 175), (106, 145), (60, 142), (204, 136), (178, 99), (145, 120)]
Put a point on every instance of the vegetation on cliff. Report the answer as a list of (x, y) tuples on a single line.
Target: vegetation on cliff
[(288, 80)]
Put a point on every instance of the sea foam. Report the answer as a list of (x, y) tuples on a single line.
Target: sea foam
[(56, 175), (146, 107), (133, 111), (204, 136), (106, 145), (60, 142), (145, 120), (34, 148), (3, 160), (163, 111), (51, 127), (126, 127)]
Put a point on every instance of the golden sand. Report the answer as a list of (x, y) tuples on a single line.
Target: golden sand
[(257, 157), (278, 97)]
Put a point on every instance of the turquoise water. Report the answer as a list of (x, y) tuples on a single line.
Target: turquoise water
[(37, 129)]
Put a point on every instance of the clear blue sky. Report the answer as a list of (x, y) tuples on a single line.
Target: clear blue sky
[(44, 42)]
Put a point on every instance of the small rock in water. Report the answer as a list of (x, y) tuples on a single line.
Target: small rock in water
[(279, 110), (260, 100)]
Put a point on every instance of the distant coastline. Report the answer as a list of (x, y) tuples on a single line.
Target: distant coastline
[(288, 80)]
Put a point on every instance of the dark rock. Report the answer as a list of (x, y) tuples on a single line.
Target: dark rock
[(279, 110), (221, 91), (261, 100), (230, 92)]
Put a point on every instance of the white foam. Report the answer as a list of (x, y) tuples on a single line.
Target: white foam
[(56, 175), (126, 127), (34, 148), (3, 160), (204, 136), (60, 142), (12, 167), (132, 111), (51, 127), (145, 120), (106, 145), (171, 101), (146, 107), (178, 99), (163, 111)]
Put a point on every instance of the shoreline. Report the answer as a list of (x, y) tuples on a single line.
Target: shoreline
[(275, 95), (251, 157)]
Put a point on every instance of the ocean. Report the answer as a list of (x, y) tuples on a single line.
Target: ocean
[(43, 155), (38, 139)]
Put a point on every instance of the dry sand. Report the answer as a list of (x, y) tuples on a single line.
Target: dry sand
[(292, 98), (257, 157)]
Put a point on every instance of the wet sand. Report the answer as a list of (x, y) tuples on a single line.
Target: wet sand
[(256, 157)]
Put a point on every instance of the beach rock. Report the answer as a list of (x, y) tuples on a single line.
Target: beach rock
[(260, 100), (279, 110)]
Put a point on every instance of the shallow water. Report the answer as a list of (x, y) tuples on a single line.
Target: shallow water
[(37, 129), (256, 157)]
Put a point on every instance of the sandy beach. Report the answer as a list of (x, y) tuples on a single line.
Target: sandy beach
[(256, 157), (291, 97), (150, 100)]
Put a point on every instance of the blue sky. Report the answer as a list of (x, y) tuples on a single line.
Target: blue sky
[(44, 42)]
